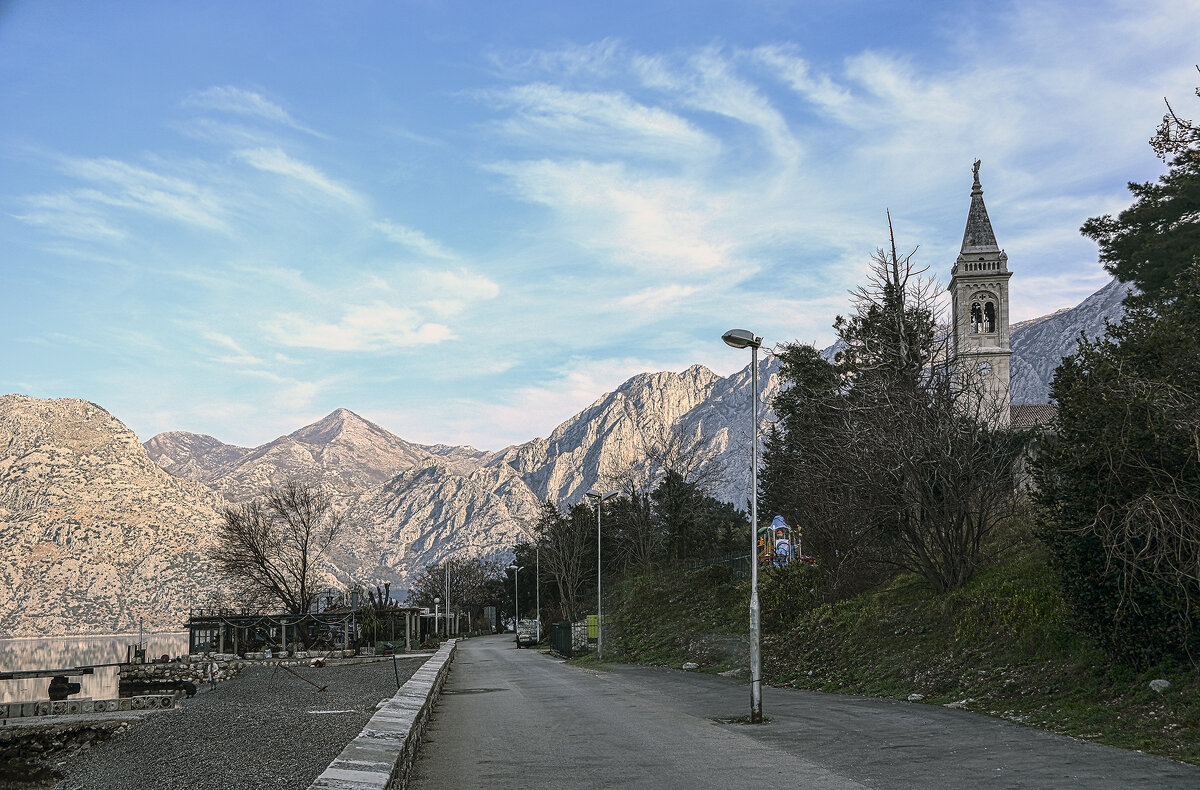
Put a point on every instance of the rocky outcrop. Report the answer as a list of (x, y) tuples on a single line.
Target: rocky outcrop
[(94, 536), (1040, 344)]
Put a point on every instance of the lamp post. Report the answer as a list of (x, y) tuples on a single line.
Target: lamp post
[(743, 338), (537, 583), (437, 615), (599, 498), (516, 569)]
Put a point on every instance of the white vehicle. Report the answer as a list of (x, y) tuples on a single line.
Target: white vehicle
[(527, 633)]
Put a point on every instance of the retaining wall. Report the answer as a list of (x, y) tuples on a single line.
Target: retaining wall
[(380, 757)]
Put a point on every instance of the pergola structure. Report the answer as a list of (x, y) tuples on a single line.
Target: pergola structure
[(229, 631)]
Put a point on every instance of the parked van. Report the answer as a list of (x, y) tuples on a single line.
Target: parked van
[(527, 633)]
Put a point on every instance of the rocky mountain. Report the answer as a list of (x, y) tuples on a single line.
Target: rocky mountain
[(342, 453), (432, 511), (193, 456), (94, 536), (112, 538), (1040, 344)]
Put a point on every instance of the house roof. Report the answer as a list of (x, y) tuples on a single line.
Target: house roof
[(1031, 415)]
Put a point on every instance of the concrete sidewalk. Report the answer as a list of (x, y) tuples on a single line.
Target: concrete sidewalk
[(520, 719)]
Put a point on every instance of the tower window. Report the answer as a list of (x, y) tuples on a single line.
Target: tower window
[(976, 318), (989, 317)]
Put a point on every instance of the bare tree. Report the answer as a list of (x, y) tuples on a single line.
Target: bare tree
[(891, 456), (274, 550), (566, 542), (471, 582)]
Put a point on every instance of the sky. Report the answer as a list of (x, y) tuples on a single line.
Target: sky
[(466, 221)]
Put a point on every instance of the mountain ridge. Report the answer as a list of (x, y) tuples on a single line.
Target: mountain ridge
[(83, 504)]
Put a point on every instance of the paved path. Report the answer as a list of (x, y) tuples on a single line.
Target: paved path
[(513, 718)]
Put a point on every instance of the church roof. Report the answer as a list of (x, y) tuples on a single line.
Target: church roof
[(1031, 415), (978, 237)]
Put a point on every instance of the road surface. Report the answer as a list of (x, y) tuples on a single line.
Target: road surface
[(513, 718)]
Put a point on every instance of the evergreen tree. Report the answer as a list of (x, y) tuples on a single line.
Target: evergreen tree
[(1155, 240), (1120, 486)]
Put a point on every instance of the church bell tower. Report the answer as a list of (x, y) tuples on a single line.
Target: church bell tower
[(979, 298)]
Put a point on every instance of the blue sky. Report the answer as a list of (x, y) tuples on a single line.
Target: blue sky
[(466, 221)]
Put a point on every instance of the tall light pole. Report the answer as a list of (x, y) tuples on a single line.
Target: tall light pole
[(599, 498), (447, 597), (437, 616), (516, 569), (537, 578), (743, 338)]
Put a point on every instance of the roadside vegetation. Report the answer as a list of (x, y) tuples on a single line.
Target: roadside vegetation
[(1003, 644), (1051, 578)]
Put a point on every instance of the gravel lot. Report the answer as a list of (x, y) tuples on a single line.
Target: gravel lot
[(264, 728)]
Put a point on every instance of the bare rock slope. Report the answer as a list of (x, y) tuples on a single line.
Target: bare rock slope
[(94, 536)]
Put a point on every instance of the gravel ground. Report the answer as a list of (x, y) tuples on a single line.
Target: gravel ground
[(264, 728)]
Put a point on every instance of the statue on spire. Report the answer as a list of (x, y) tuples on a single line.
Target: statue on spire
[(975, 170)]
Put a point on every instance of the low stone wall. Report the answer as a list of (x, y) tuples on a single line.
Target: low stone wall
[(194, 671), (380, 757)]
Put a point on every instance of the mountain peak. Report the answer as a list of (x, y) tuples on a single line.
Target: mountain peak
[(338, 423)]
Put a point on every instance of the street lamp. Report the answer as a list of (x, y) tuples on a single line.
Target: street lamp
[(599, 498), (437, 615), (743, 338), (516, 569)]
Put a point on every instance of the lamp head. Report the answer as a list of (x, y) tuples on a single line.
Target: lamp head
[(741, 338), (595, 494)]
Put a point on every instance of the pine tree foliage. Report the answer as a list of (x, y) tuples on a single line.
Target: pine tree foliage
[(1120, 489), (1156, 239)]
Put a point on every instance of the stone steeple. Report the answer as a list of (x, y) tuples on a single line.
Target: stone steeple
[(978, 237), (979, 305)]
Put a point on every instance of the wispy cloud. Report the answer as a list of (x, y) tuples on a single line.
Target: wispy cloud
[(362, 328), (413, 239), (276, 160), (117, 188), (451, 292), (658, 298), (599, 123), (235, 354), (239, 101), (664, 223), (66, 214)]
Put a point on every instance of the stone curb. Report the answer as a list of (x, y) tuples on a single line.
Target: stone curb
[(380, 756)]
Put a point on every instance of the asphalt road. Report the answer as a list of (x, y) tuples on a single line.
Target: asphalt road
[(513, 718)]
